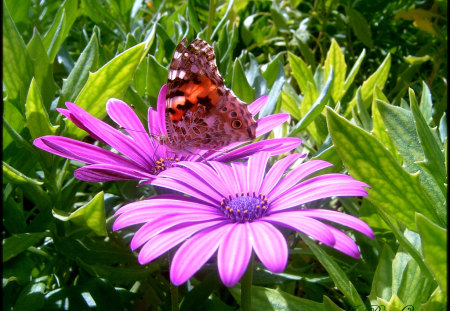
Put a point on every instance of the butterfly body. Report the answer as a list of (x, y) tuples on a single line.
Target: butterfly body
[(201, 113)]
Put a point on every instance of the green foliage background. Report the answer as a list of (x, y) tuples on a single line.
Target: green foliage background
[(365, 83)]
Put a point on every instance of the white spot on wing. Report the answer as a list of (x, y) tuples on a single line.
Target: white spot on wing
[(181, 74)]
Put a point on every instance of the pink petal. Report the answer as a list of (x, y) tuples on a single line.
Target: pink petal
[(195, 252), (234, 254), (257, 105), (269, 244), (161, 109), (276, 171), (124, 116), (345, 244), (297, 174), (163, 242), (308, 226), (80, 151), (165, 222), (338, 217), (109, 172), (316, 188), (240, 176), (225, 173), (256, 169), (268, 123)]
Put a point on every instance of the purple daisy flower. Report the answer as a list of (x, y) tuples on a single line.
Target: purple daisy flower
[(234, 210), (140, 155)]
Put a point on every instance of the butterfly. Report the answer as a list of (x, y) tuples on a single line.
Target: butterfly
[(201, 112)]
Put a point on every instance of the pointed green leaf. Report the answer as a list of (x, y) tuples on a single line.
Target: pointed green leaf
[(273, 97), (274, 70), (360, 26), (382, 280), (437, 301), (426, 104), (290, 101), (434, 157), (378, 78), (271, 299), (43, 69), (363, 114), (336, 273), (87, 61), (156, 76), (17, 243), (393, 189), (240, 85), (301, 72), (111, 80), (335, 59), (329, 305), (316, 108), (17, 65), (38, 122), (60, 28), (90, 215), (434, 245), (352, 74), (310, 96), (401, 128)]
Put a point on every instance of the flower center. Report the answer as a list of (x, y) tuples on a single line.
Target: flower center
[(162, 164), (244, 207)]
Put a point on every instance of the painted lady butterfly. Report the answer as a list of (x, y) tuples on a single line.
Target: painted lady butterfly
[(201, 113)]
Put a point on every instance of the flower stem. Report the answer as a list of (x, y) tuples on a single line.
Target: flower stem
[(174, 297), (246, 287)]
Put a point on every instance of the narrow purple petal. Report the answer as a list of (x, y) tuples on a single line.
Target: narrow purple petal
[(268, 123), (163, 242), (207, 173), (195, 252), (323, 186), (188, 182), (257, 105), (269, 244), (338, 217), (124, 116), (308, 226), (345, 244), (77, 122), (109, 172), (167, 221), (240, 176), (256, 169), (276, 171), (234, 254), (161, 109), (226, 175), (80, 151), (116, 139), (297, 174)]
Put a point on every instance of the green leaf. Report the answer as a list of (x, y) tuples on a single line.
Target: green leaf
[(274, 70), (43, 69), (434, 245), (434, 162), (378, 78), (271, 299), (316, 108), (16, 62), (401, 129), (338, 275), (310, 96), (352, 74), (193, 16), (31, 298), (363, 114), (18, 243), (426, 104), (240, 85), (437, 301), (335, 61), (382, 279), (156, 76), (273, 97), (38, 122), (290, 101), (329, 305), (60, 28), (360, 26), (111, 80), (393, 189), (90, 215), (301, 72), (79, 75), (13, 123)]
